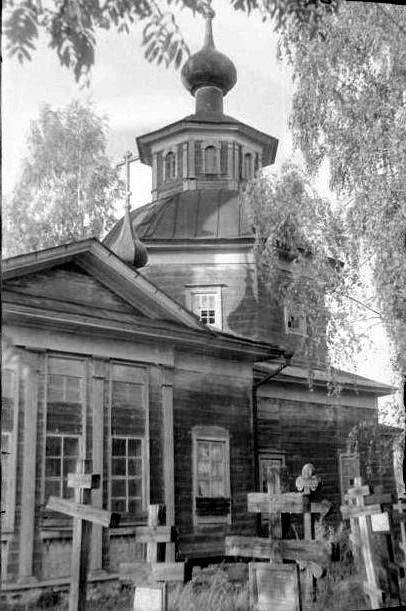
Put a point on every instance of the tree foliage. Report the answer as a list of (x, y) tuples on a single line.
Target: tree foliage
[(349, 108), (67, 187), (71, 26), (304, 259)]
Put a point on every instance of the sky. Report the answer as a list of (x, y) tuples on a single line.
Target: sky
[(139, 97)]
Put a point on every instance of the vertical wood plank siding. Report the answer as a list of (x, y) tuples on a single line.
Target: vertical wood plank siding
[(202, 398)]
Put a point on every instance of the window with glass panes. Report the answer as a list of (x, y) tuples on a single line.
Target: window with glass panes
[(128, 430), (211, 468), (205, 305), (61, 454), (64, 423), (126, 474)]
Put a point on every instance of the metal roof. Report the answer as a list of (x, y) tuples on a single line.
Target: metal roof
[(190, 215)]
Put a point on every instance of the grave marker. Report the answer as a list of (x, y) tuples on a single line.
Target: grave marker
[(274, 587), (151, 598), (307, 483), (358, 511), (83, 518)]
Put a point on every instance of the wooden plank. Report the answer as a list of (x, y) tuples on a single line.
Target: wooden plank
[(148, 534), (95, 515), (136, 573), (274, 587), (251, 547), (89, 481), (261, 502), (287, 549), (357, 491), (27, 526), (81, 539), (169, 461), (97, 411), (354, 511), (309, 551), (322, 508), (168, 571)]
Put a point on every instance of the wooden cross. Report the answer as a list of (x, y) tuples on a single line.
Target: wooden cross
[(307, 483), (155, 536), (129, 157), (358, 510), (83, 518)]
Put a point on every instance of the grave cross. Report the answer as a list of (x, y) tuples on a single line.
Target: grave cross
[(400, 515), (129, 157), (307, 483), (83, 518), (357, 510)]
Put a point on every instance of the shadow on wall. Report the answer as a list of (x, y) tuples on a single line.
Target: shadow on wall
[(243, 319)]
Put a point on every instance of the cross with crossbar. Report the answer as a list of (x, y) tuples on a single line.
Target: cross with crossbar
[(83, 517)]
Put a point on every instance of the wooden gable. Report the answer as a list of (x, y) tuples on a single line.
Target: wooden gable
[(68, 288)]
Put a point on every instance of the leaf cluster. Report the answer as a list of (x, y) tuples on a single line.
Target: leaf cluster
[(67, 188), (303, 258), (349, 108), (70, 26)]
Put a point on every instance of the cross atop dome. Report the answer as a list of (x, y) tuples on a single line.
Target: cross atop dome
[(209, 74)]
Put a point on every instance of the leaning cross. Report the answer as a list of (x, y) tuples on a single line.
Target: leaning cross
[(83, 518), (358, 510), (307, 483)]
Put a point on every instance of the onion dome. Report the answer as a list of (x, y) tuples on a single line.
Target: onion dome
[(128, 246), (208, 67)]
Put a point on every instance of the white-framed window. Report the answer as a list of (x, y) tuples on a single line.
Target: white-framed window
[(295, 322), (211, 475), (170, 165), (61, 454), (9, 421), (65, 422), (129, 434), (127, 470), (206, 303)]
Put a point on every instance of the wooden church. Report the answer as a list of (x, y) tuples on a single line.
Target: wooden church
[(158, 356)]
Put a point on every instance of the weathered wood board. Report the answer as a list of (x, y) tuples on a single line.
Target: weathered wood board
[(95, 515), (150, 598), (261, 502), (142, 573), (274, 587), (288, 549)]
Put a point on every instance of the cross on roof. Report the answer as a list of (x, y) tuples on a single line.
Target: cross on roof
[(128, 158)]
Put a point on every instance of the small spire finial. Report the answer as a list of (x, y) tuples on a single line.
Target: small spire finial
[(208, 14)]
